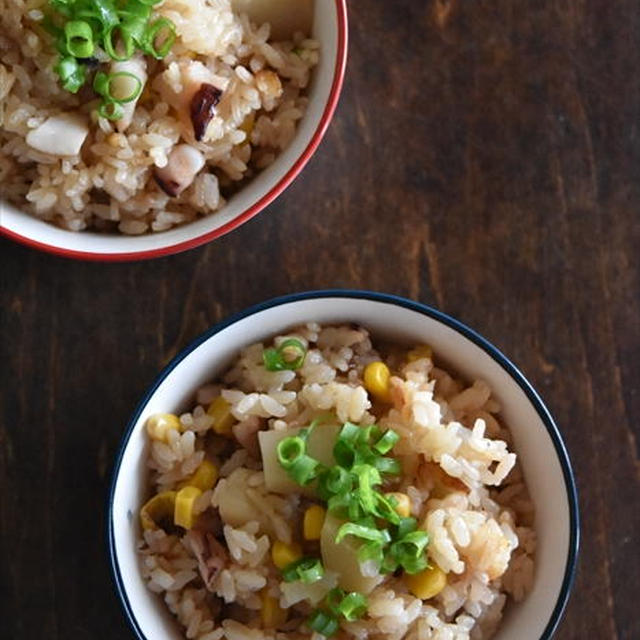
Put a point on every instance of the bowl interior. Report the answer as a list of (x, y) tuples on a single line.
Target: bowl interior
[(534, 444), (329, 29)]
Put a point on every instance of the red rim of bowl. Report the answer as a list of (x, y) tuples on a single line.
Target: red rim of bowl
[(267, 199)]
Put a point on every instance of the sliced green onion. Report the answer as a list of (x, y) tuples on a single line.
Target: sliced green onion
[(159, 38), (134, 29), (350, 433), (289, 450), (368, 477), (118, 43), (79, 38), (389, 466), (281, 359), (62, 6), (110, 111), (307, 570), (333, 481), (293, 459), (72, 75), (383, 508), (323, 623), (409, 551), (350, 606), (344, 453), (112, 90), (353, 606), (135, 10), (388, 565), (304, 470), (101, 12), (371, 552), (363, 532), (334, 598), (386, 442), (405, 526), (369, 433)]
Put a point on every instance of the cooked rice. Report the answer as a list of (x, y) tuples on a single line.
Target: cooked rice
[(464, 483), (110, 186)]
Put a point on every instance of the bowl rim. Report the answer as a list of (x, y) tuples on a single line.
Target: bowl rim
[(510, 368), (247, 214)]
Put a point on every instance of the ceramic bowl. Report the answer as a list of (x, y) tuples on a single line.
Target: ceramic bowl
[(330, 29), (537, 440)]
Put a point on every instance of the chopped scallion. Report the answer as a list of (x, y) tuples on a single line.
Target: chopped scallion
[(120, 87), (323, 623), (353, 606), (79, 39), (110, 111), (119, 43), (159, 38), (289, 355), (307, 570), (72, 75), (386, 442), (363, 532)]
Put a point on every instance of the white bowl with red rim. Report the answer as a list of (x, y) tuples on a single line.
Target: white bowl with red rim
[(330, 29)]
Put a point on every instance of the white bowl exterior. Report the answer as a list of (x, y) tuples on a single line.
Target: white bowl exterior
[(326, 31), (543, 472)]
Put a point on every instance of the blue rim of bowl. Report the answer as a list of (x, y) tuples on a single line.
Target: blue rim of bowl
[(485, 345)]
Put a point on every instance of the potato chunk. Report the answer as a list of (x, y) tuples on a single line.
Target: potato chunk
[(319, 446), (343, 558)]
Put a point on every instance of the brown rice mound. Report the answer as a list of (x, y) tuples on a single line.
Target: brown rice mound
[(465, 487), (109, 185)]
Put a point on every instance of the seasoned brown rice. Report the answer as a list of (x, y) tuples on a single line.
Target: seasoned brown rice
[(109, 185), (463, 480)]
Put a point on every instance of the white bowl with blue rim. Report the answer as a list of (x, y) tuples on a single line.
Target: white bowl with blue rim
[(538, 442)]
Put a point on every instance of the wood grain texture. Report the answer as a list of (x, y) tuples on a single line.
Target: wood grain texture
[(485, 159)]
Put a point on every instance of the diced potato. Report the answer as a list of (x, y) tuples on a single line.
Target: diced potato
[(235, 507), (343, 558), (319, 446), (285, 16)]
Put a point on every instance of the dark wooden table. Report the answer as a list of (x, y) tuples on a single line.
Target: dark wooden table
[(485, 159)]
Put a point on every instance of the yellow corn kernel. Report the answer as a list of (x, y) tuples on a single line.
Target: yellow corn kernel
[(220, 411), (376, 380), (403, 504), (183, 513), (284, 554), (272, 614), (312, 522), (203, 478), (159, 425), (428, 583), (419, 352), (157, 509)]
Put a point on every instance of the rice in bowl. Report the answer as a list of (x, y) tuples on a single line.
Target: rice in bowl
[(228, 568), (129, 175)]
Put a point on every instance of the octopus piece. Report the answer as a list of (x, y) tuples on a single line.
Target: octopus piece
[(61, 135), (211, 555), (182, 166)]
